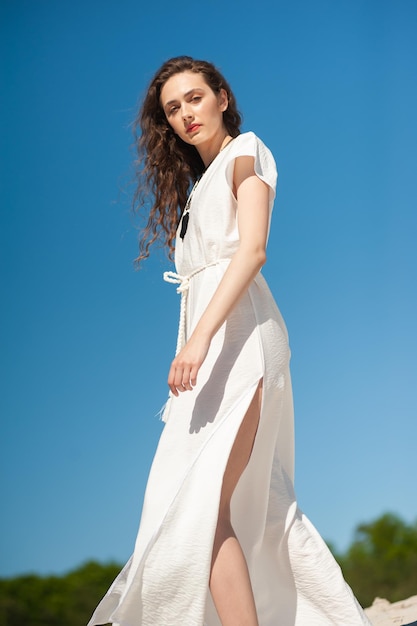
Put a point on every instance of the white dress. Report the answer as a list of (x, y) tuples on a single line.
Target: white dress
[(296, 581)]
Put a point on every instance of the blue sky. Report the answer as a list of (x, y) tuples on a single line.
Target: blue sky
[(86, 342)]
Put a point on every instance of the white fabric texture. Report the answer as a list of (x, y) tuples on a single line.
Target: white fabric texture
[(295, 579)]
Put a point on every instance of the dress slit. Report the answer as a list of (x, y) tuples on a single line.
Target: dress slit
[(198, 525)]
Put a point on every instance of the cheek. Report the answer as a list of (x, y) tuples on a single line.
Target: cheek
[(174, 125), (216, 111), (178, 129)]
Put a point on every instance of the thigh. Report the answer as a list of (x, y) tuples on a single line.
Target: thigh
[(242, 448)]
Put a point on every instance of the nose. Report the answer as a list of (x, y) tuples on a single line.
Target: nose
[(186, 112)]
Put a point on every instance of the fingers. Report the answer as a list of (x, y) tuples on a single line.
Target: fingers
[(193, 375), (186, 380), (182, 377), (186, 365)]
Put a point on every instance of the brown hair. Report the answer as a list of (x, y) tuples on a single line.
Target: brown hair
[(166, 165)]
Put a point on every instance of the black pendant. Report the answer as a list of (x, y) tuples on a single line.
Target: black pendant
[(184, 224)]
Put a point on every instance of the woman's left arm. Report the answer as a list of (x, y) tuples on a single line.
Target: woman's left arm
[(253, 220)]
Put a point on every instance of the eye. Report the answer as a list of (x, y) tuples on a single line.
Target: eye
[(173, 109), (196, 99)]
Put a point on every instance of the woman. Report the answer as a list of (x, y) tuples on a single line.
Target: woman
[(201, 556)]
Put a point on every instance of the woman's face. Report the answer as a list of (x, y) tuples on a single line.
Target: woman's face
[(193, 110)]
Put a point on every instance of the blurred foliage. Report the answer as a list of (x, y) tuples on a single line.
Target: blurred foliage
[(382, 561), (55, 601)]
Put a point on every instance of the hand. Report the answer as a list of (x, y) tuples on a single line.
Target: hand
[(184, 368)]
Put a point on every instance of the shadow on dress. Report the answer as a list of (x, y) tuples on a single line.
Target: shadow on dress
[(212, 393)]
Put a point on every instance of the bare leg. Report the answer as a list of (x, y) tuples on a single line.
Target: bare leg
[(230, 584)]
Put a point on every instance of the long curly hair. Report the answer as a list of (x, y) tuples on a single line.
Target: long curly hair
[(166, 166)]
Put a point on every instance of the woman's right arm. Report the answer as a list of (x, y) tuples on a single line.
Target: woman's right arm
[(253, 222)]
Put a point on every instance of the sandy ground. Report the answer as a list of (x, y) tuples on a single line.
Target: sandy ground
[(383, 613)]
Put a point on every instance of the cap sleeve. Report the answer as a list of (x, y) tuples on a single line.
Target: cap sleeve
[(248, 144)]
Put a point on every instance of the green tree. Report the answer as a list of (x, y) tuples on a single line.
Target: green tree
[(382, 560), (55, 601)]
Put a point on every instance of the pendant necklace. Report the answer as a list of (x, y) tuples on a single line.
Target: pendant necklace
[(186, 213)]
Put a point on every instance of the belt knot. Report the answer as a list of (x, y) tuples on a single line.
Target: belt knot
[(177, 279)]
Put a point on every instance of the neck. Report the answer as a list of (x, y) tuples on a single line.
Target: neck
[(209, 153)]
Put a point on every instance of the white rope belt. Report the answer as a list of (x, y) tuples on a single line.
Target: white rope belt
[(184, 285)]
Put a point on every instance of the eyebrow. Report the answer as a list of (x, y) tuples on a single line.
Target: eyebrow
[(187, 93)]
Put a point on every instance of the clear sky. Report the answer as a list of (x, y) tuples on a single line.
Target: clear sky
[(86, 342)]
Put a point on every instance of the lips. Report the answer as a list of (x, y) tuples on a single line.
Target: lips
[(192, 128)]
